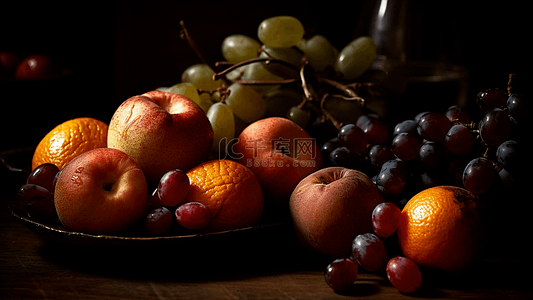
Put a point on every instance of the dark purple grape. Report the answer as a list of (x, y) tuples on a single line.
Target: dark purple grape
[(379, 154), (407, 126), (385, 219), (495, 127), (491, 98), (42, 209), (420, 115), (30, 191), (509, 156), (340, 156), (457, 113), (459, 140), (341, 274), (432, 157), (368, 250), (478, 175), (405, 146), (393, 177), (329, 146), (433, 127), (429, 180), (353, 138), (519, 107), (158, 221), (44, 175), (375, 130)]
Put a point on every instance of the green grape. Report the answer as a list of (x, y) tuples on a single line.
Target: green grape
[(222, 121), (319, 52), (257, 72), (299, 116), (279, 101), (357, 57), (246, 103), (163, 89), (280, 31), (238, 47), (345, 111), (190, 91), (201, 76), (290, 55)]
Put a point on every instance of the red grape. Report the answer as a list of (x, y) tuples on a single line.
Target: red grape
[(491, 98), (458, 140), (405, 146), (341, 274), (404, 274), (369, 251), (478, 175), (433, 126), (173, 187), (495, 127), (457, 113), (44, 175), (193, 215), (353, 138), (375, 130), (385, 218), (158, 221)]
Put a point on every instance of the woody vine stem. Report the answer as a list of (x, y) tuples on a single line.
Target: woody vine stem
[(348, 92)]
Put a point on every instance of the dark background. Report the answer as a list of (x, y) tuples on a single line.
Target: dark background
[(119, 49)]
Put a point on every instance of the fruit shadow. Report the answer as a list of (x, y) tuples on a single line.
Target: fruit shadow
[(202, 261)]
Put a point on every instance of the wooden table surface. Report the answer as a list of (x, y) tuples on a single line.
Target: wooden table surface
[(266, 265)]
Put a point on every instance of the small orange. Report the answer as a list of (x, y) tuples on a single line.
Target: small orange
[(68, 140), (231, 192), (443, 228)]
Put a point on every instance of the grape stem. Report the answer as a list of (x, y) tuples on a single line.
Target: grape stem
[(327, 114), (266, 60), (185, 35), (350, 94)]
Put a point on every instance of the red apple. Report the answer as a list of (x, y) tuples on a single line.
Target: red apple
[(162, 131), (280, 153), (101, 191), (36, 67), (330, 207)]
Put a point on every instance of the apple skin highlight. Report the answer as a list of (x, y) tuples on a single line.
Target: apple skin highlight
[(161, 131)]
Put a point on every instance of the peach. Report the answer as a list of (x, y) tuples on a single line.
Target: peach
[(101, 191), (280, 153), (330, 207), (161, 131)]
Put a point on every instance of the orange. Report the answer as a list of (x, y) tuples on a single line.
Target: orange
[(443, 228), (69, 140), (230, 191)]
